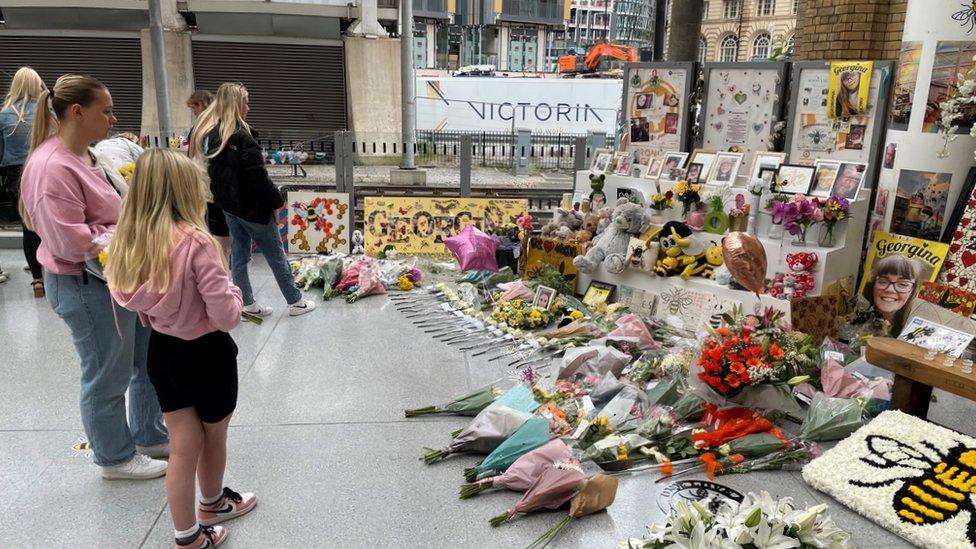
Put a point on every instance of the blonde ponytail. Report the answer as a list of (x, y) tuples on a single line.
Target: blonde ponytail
[(227, 111)]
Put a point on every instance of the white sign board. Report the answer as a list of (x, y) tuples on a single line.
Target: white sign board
[(499, 104)]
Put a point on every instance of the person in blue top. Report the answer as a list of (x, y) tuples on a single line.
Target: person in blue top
[(16, 117)]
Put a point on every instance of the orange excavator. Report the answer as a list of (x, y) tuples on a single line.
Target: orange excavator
[(598, 58)]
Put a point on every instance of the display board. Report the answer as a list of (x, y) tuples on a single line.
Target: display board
[(318, 222), (741, 103), (812, 136), (419, 225), (655, 109)]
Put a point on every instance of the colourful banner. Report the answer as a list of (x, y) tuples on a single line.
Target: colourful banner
[(557, 253), (847, 91), (420, 225)]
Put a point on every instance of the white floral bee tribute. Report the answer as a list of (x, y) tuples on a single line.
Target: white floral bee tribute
[(912, 477)]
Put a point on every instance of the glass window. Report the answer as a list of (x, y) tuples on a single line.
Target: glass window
[(760, 46), (702, 49), (766, 7), (732, 9), (791, 43), (705, 10), (795, 3), (730, 49)]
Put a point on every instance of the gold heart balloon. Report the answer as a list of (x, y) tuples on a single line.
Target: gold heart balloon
[(745, 258)]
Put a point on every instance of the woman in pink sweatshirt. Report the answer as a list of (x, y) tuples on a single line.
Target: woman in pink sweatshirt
[(70, 200), (165, 265)]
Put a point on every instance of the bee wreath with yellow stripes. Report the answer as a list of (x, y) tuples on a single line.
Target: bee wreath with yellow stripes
[(914, 478)]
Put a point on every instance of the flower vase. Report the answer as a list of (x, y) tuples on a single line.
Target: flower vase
[(826, 239), (657, 217), (800, 238), (753, 213), (775, 231)]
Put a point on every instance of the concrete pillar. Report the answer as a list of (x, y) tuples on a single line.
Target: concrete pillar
[(504, 38), (373, 89), (851, 29), (179, 64), (432, 46), (927, 24), (367, 24), (541, 49)]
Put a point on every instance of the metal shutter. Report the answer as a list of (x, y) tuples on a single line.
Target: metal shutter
[(296, 91), (115, 61)]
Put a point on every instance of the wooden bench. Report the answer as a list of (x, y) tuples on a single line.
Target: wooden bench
[(915, 376)]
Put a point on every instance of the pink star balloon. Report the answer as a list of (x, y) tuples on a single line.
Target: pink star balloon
[(473, 249)]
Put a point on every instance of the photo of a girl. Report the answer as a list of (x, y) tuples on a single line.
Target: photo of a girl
[(891, 289), (846, 103)]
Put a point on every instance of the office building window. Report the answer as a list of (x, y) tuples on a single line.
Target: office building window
[(795, 3), (760, 46), (766, 7), (729, 51), (732, 9), (702, 49)]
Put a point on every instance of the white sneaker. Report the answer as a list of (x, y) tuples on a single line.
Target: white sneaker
[(159, 451), (256, 309), (300, 308), (140, 467)]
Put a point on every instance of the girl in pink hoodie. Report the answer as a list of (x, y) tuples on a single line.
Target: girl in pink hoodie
[(164, 265)]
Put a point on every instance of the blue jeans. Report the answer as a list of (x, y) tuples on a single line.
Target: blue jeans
[(110, 364), (266, 236)]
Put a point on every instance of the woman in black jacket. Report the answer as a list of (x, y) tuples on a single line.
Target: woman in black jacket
[(242, 189)]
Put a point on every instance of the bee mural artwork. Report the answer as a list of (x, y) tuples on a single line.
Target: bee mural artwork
[(939, 490)]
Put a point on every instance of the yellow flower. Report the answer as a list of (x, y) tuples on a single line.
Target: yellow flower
[(102, 258), (681, 187), (405, 284), (127, 169), (535, 316), (576, 315)]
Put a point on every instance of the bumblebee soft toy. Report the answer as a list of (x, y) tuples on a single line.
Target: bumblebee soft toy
[(679, 248), (705, 264)]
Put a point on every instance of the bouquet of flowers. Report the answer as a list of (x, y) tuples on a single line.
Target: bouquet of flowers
[(468, 405), (531, 435), (521, 474), (752, 352), (689, 194), (758, 521), (554, 487), (796, 215), (126, 170), (485, 433), (834, 210), (597, 494), (517, 313), (661, 202), (831, 418)]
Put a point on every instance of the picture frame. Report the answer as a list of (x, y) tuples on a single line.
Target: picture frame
[(675, 159), (725, 169), (654, 168), (794, 178), (706, 158), (825, 173), (768, 177), (625, 164), (618, 158), (693, 175), (601, 160), (598, 293), (850, 179), (544, 297), (765, 159)]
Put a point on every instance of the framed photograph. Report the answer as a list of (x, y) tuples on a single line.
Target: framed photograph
[(765, 160), (694, 172), (768, 177), (794, 178), (726, 168), (544, 297), (825, 172), (674, 160), (639, 130), (623, 166), (598, 293), (850, 176), (706, 158), (601, 160), (654, 168), (615, 162), (643, 101)]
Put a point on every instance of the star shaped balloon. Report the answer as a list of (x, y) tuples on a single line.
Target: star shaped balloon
[(473, 249)]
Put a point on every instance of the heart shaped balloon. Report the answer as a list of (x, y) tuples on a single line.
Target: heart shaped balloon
[(473, 249), (745, 258)]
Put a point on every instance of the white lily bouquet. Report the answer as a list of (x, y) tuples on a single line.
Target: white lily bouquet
[(759, 521)]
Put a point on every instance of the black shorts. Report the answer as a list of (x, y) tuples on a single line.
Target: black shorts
[(216, 221), (200, 373)]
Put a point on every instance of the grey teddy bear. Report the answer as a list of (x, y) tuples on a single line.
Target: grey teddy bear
[(610, 246), (563, 225)]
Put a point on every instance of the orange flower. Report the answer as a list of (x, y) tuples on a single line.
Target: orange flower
[(723, 331), (667, 468), (753, 363), (776, 351), (737, 367), (733, 381)]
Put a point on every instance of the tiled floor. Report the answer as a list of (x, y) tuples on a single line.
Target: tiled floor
[(319, 434)]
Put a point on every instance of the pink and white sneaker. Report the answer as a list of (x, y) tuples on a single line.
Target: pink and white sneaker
[(230, 506), (207, 537)]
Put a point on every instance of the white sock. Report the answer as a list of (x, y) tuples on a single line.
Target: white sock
[(191, 533), (210, 501)]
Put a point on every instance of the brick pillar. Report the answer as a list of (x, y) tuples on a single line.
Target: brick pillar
[(849, 29)]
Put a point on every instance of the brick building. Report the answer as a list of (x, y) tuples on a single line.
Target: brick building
[(849, 29)]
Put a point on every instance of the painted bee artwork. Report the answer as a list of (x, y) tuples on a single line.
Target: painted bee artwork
[(817, 136), (966, 16), (940, 488)]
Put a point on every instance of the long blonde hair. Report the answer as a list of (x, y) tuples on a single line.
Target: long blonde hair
[(227, 111), (25, 87), (167, 190), (70, 89)]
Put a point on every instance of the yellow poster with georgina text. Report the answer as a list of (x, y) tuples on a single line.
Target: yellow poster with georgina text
[(921, 259), (418, 226), (848, 88)]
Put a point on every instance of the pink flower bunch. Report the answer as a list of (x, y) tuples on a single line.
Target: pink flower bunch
[(797, 214)]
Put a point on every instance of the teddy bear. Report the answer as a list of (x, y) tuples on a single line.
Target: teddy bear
[(799, 281), (679, 248), (610, 246), (587, 230), (357, 242), (563, 225), (706, 263)]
